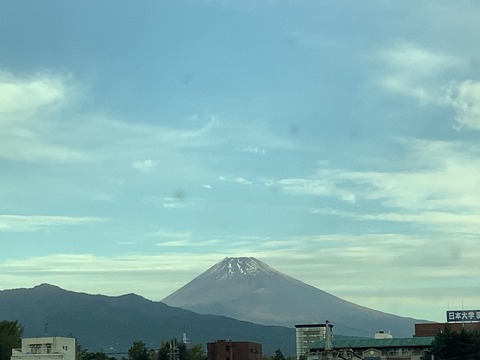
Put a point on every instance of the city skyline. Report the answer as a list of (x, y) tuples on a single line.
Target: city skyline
[(337, 142)]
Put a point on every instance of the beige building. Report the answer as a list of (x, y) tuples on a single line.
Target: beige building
[(46, 348), (373, 349)]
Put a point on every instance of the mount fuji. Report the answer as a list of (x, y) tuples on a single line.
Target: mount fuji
[(248, 289)]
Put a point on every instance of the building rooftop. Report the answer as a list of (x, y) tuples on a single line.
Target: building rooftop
[(375, 343)]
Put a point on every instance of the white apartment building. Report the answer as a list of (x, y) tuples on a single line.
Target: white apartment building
[(46, 348)]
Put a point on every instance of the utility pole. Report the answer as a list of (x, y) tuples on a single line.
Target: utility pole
[(173, 353)]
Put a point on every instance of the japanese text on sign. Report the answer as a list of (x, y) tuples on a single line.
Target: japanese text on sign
[(463, 315)]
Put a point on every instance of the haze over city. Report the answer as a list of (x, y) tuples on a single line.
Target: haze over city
[(336, 141)]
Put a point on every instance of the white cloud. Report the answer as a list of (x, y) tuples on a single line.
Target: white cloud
[(114, 275), (242, 181), (435, 186), (25, 106), (34, 128), (21, 223), (144, 166), (254, 150), (180, 199), (323, 186), (103, 196), (415, 71), (26, 95), (465, 100), (239, 180)]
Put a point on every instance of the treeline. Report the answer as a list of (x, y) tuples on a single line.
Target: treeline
[(169, 350), (11, 333)]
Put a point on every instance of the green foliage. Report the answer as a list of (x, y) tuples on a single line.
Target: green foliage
[(196, 352), (10, 337), (452, 345), (172, 350), (139, 351), (83, 354), (168, 349), (278, 356)]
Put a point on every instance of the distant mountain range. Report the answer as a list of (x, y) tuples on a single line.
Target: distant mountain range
[(266, 303), (112, 324), (248, 289)]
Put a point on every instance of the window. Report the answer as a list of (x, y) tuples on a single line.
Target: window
[(36, 348)]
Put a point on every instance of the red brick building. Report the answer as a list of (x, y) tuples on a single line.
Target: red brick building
[(234, 350), (432, 329)]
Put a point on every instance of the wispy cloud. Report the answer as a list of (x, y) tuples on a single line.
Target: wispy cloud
[(25, 102), (415, 71), (436, 186), (253, 150), (243, 181), (328, 186), (22, 223), (26, 95), (144, 166), (464, 98), (33, 127), (433, 78), (114, 275)]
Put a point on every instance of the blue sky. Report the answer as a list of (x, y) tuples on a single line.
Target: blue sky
[(336, 141)]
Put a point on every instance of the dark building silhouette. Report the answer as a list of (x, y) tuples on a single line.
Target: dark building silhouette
[(234, 350)]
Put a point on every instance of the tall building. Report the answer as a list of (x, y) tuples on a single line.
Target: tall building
[(46, 348), (308, 334), (234, 350)]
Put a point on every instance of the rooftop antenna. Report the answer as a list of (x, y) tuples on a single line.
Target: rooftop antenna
[(46, 328)]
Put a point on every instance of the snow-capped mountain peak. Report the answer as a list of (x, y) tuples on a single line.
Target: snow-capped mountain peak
[(239, 266)]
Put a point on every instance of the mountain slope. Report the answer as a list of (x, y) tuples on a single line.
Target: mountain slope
[(249, 289), (111, 324)]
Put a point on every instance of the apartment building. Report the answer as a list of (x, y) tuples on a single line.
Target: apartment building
[(46, 348)]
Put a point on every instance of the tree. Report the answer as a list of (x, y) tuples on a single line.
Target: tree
[(452, 345), (84, 354), (10, 337), (138, 351), (172, 350), (278, 355), (196, 352)]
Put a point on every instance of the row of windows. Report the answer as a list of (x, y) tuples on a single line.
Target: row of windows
[(44, 348)]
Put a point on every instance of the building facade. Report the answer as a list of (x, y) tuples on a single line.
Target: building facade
[(432, 329), (46, 348), (308, 334), (234, 350), (373, 349)]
